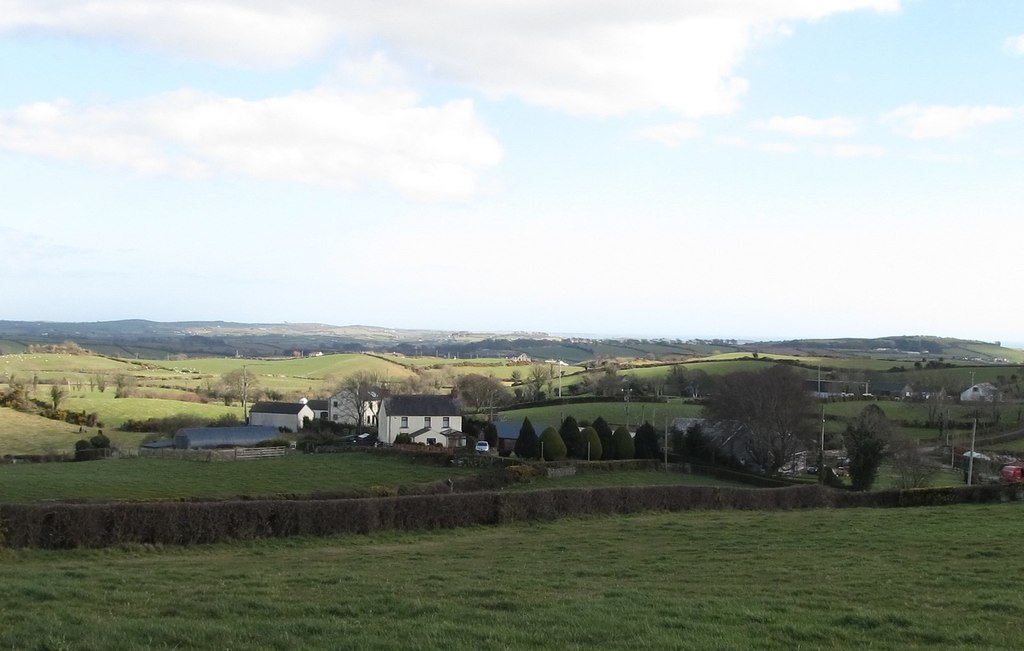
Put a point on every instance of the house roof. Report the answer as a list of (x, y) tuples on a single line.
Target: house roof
[(509, 429), (422, 406), (318, 405), (277, 408), (211, 437)]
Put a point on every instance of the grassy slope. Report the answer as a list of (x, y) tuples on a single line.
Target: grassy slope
[(847, 579), (29, 434)]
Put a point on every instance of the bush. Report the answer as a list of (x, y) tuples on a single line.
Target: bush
[(646, 443), (527, 445), (623, 444), (575, 447), (604, 432), (552, 446), (592, 443)]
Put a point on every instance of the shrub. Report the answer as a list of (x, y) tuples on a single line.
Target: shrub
[(646, 444), (520, 473), (527, 445), (575, 446), (552, 445), (592, 443), (623, 444), (403, 439), (604, 432)]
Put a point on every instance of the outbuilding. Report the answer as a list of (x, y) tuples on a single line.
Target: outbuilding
[(192, 438)]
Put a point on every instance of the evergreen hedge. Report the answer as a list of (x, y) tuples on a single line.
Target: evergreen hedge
[(61, 526)]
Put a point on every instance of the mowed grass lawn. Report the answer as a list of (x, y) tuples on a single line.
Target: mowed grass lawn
[(927, 578), (157, 479)]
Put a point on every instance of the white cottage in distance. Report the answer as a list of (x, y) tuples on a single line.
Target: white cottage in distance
[(426, 419), (283, 415)]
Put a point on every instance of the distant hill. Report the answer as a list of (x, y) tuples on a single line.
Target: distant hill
[(159, 340)]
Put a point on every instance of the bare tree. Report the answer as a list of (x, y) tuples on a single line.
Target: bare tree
[(913, 468), (769, 407), (610, 382), (359, 396), (479, 392)]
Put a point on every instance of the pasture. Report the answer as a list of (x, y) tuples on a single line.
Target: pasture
[(167, 479), (613, 412), (850, 579)]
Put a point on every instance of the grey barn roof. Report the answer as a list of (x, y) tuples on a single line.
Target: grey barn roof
[(509, 429), (422, 406), (212, 437), (277, 408)]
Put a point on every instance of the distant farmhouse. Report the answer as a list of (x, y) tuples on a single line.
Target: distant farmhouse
[(342, 408), (426, 419), (283, 415)]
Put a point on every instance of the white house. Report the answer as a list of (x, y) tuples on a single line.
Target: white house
[(427, 419), (982, 392), (342, 408), (288, 415)]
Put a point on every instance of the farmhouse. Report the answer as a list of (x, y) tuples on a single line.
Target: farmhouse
[(190, 438), (427, 419), (320, 408), (342, 407), (284, 415)]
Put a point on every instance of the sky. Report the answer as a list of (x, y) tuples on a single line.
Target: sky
[(759, 169)]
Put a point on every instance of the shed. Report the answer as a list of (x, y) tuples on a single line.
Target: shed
[(288, 415), (192, 438)]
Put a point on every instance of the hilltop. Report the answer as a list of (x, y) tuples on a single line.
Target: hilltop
[(159, 340)]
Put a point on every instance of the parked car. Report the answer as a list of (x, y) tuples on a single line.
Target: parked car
[(483, 447)]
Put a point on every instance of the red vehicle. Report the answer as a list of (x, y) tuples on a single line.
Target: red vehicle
[(1013, 474)]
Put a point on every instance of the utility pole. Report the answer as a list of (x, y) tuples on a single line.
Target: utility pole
[(245, 387), (666, 442), (821, 449), (970, 463)]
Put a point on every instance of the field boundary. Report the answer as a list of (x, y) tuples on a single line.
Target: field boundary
[(63, 525)]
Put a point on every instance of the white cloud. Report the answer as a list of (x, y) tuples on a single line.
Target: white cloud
[(859, 151), (318, 137), (592, 57), (1014, 45), (836, 127), (670, 135), (926, 122)]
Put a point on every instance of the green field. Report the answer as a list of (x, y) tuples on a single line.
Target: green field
[(161, 479), (613, 412), (937, 578), (600, 479)]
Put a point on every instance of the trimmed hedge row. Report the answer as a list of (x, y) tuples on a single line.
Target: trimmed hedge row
[(61, 526)]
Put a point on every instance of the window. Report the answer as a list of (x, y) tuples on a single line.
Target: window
[(335, 404), (445, 422), (405, 421), (426, 421), (431, 441)]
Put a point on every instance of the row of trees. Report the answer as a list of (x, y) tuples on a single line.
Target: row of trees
[(594, 442)]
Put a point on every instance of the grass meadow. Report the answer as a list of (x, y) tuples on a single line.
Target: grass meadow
[(146, 478), (613, 412), (925, 578)]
